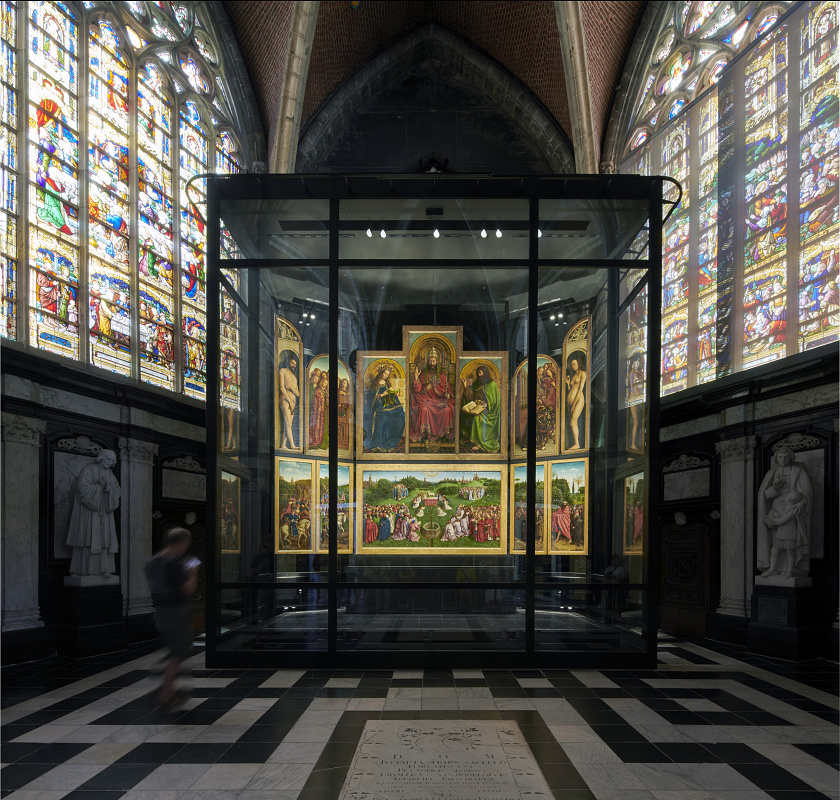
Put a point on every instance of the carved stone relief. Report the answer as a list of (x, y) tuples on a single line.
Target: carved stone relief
[(687, 485)]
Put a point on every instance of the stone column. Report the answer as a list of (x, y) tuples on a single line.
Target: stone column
[(736, 524), (20, 518), (137, 482)]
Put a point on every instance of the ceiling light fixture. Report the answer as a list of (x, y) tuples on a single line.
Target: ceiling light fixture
[(369, 232), (483, 233), (436, 234), (539, 234), (498, 233), (382, 233)]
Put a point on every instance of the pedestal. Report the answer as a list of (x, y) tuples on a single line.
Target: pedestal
[(782, 623), (91, 621)]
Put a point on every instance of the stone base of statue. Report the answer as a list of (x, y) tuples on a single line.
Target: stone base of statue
[(79, 581), (785, 618), (91, 618)]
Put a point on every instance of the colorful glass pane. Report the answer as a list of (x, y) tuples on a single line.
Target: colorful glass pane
[(8, 171), (765, 315), (194, 76)]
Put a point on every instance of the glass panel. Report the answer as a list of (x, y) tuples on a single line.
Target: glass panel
[(8, 171), (576, 229), (279, 229), (434, 229)]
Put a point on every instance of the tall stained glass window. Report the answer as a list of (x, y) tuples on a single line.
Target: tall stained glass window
[(818, 298), (675, 258), (705, 261), (56, 307), (749, 265), (140, 87), (9, 218)]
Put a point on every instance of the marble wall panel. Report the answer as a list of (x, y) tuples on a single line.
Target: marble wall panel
[(814, 463), (687, 485), (183, 485)]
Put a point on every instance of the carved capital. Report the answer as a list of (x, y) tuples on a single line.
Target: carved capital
[(23, 430), (185, 464), (137, 450), (685, 462), (797, 441), (742, 449)]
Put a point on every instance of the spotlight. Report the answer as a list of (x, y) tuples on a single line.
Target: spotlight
[(369, 233), (483, 233), (560, 314), (556, 324), (498, 234), (539, 234), (304, 315), (552, 317), (382, 233), (436, 234), (307, 324), (311, 316)]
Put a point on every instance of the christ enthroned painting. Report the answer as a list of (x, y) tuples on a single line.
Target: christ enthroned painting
[(432, 366)]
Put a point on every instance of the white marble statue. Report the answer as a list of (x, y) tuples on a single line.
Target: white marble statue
[(784, 518), (92, 533)]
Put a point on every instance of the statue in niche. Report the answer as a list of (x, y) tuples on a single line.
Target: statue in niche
[(92, 533), (784, 521)]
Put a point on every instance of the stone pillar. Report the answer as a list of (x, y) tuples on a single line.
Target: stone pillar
[(137, 482), (737, 506), (20, 518)]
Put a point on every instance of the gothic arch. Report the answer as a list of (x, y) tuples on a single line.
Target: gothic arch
[(480, 72)]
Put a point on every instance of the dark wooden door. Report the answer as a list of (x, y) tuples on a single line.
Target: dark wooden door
[(686, 578)]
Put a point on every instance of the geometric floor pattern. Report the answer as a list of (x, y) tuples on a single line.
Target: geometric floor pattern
[(707, 723)]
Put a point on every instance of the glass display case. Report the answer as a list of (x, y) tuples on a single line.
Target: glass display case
[(437, 420)]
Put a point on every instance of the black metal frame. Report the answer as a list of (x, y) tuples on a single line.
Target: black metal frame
[(533, 188)]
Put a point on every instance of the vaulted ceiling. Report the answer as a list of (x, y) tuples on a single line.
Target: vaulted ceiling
[(300, 53)]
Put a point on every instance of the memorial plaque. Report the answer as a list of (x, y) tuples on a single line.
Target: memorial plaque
[(772, 611), (445, 760)]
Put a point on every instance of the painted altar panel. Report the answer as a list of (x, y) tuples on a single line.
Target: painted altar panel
[(548, 399), (288, 388), (345, 508), (432, 379), (519, 509), (431, 508), (568, 504), (230, 529), (633, 520), (482, 405), (381, 396), (317, 405), (293, 483), (576, 407)]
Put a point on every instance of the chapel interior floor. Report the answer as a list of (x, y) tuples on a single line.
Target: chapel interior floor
[(709, 722)]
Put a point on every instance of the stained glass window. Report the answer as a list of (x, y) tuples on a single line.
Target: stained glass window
[(765, 196), (675, 259), (705, 261), (116, 271), (818, 300), (8, 171), (55, 308), (692, 51)]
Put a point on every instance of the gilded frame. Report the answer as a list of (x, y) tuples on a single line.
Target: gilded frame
[(320, 467), (583, 549), (466, 362), (630, 485), (577, 343), (232, 495), (323, 452), (285, 331), (540, 547), (431, 470), (367, 361), (519, 384), (278, 460)]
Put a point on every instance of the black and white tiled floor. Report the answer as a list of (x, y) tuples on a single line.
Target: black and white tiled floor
[(706, 724)]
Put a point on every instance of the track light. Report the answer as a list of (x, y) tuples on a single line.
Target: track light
[(539, 234), (560, 314), (552, 317), (483, 233), (369, 233), (436, 234), (382, 233), (498, 234)]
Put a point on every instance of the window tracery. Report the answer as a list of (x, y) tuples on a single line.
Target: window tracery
[(138, 85)]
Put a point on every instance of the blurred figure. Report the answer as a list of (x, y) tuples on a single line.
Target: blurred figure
[(172, 580)]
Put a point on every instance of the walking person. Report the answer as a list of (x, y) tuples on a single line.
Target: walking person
[(172, 580)]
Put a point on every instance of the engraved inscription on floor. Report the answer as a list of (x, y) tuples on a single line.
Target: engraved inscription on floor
[(445, 760)]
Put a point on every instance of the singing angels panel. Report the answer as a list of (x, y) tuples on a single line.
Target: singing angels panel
[(426, 508), (318, 408)]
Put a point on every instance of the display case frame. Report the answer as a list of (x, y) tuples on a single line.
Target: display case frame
[(229, 645)]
